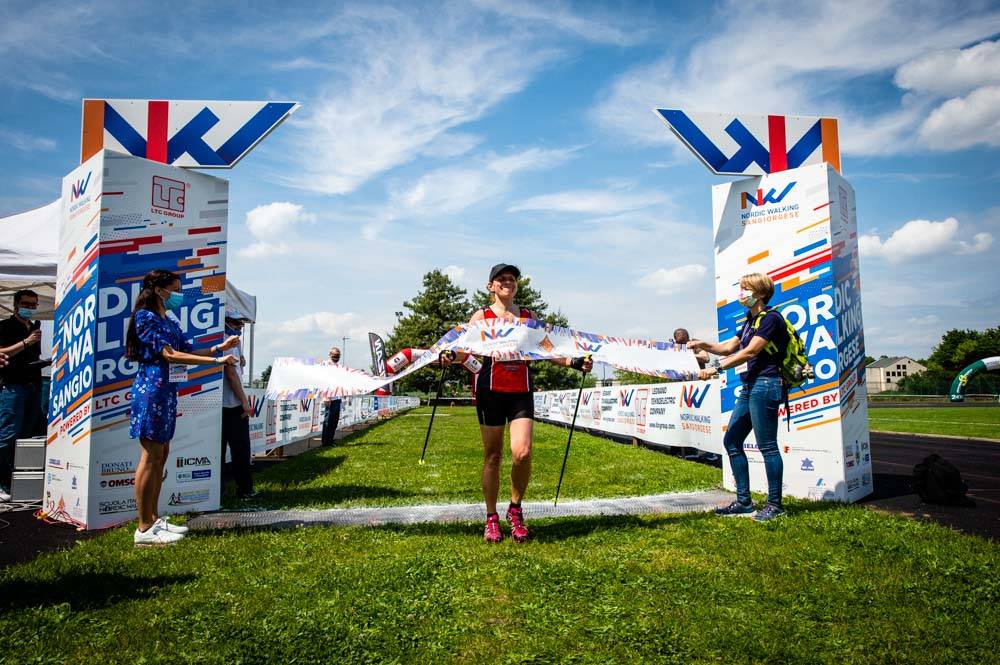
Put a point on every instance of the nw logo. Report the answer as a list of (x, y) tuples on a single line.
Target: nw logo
[(692, 396), (625, 397), (697, 131), (747, 199), (79, 188), (233, 128), (256, 405), (494, 333), (590, 347)]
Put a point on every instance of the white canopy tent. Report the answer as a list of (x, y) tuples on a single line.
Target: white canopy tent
[(29, 252), (29, 255)]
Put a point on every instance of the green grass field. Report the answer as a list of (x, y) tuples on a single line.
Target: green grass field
[(983, 422), (380, 467), (827, 583)]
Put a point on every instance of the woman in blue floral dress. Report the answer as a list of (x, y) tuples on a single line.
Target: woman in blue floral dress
[(156, 342)]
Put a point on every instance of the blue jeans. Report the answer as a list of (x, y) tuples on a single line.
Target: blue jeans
[(756, 409), (20, 408)]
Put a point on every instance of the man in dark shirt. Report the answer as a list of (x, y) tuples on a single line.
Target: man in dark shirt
[(21, 379), (332, 409)]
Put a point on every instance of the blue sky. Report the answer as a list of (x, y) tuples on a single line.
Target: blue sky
[(462, 134)]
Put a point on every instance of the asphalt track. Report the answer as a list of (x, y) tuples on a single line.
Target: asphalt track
[(893, 458), (22, 537)]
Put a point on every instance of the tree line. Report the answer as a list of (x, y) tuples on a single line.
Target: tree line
[(957, 350)]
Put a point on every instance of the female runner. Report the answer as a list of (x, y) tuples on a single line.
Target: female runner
[(504, 394)]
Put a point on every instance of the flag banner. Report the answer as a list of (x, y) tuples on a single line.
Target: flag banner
[(499, 339), (378, 353)]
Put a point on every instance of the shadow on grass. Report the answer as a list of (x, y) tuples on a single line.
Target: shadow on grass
[(85, 591), (353, 443), (549, 530), (292, 497), (302, 468)]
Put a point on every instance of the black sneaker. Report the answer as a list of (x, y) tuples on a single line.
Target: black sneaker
[(768, 513), (735, 508)]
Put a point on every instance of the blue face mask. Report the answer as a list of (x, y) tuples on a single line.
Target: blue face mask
[(234, 331), (25, 312), (174, 301)]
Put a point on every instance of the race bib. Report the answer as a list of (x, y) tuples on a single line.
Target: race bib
[(178, 373)]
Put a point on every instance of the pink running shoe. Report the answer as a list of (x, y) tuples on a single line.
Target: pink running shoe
[(492, 533), (518, 531)]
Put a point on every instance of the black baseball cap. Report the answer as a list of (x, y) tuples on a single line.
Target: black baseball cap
[(504, 267)]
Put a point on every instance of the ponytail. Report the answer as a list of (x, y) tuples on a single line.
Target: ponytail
[(147, 299)]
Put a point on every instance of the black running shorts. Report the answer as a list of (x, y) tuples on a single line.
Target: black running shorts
[(497, 409)]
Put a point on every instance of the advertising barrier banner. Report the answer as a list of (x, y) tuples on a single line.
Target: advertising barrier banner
[(121, 217), (305, 417), (665, 414), (800, 228)]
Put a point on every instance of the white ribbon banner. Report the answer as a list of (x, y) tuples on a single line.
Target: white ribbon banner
[(500, 339)]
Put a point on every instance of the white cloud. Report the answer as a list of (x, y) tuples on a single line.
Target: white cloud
[(456, 273), (532, 159), (927, 320), (597, 28), (405, 84), (963, 122), (274, 220), (327, 323), (820, 44), (671, 280), (452, 144), (26, 142), (452, 189), (953, 71), (594, 202), (921, 237), (272, 225), (259, 250), (980, 243)]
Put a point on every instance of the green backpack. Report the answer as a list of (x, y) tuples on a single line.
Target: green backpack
[(795, 367)]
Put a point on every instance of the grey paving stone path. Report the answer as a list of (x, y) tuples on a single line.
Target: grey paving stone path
[(677, 502)]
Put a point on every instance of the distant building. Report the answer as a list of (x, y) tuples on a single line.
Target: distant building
[(885, 373)]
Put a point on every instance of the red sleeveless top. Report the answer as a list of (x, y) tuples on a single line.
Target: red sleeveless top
[(507, 376)]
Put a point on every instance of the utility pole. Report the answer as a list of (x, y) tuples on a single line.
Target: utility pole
[(343, 351)]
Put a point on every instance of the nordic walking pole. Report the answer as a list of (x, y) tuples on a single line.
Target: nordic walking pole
[(444, 368), (569, 440)]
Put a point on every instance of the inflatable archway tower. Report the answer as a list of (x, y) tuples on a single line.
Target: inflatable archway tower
[(957, 392)]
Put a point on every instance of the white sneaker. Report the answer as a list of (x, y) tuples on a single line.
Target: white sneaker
[(172, 528), (4, 497), (154, 536)]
